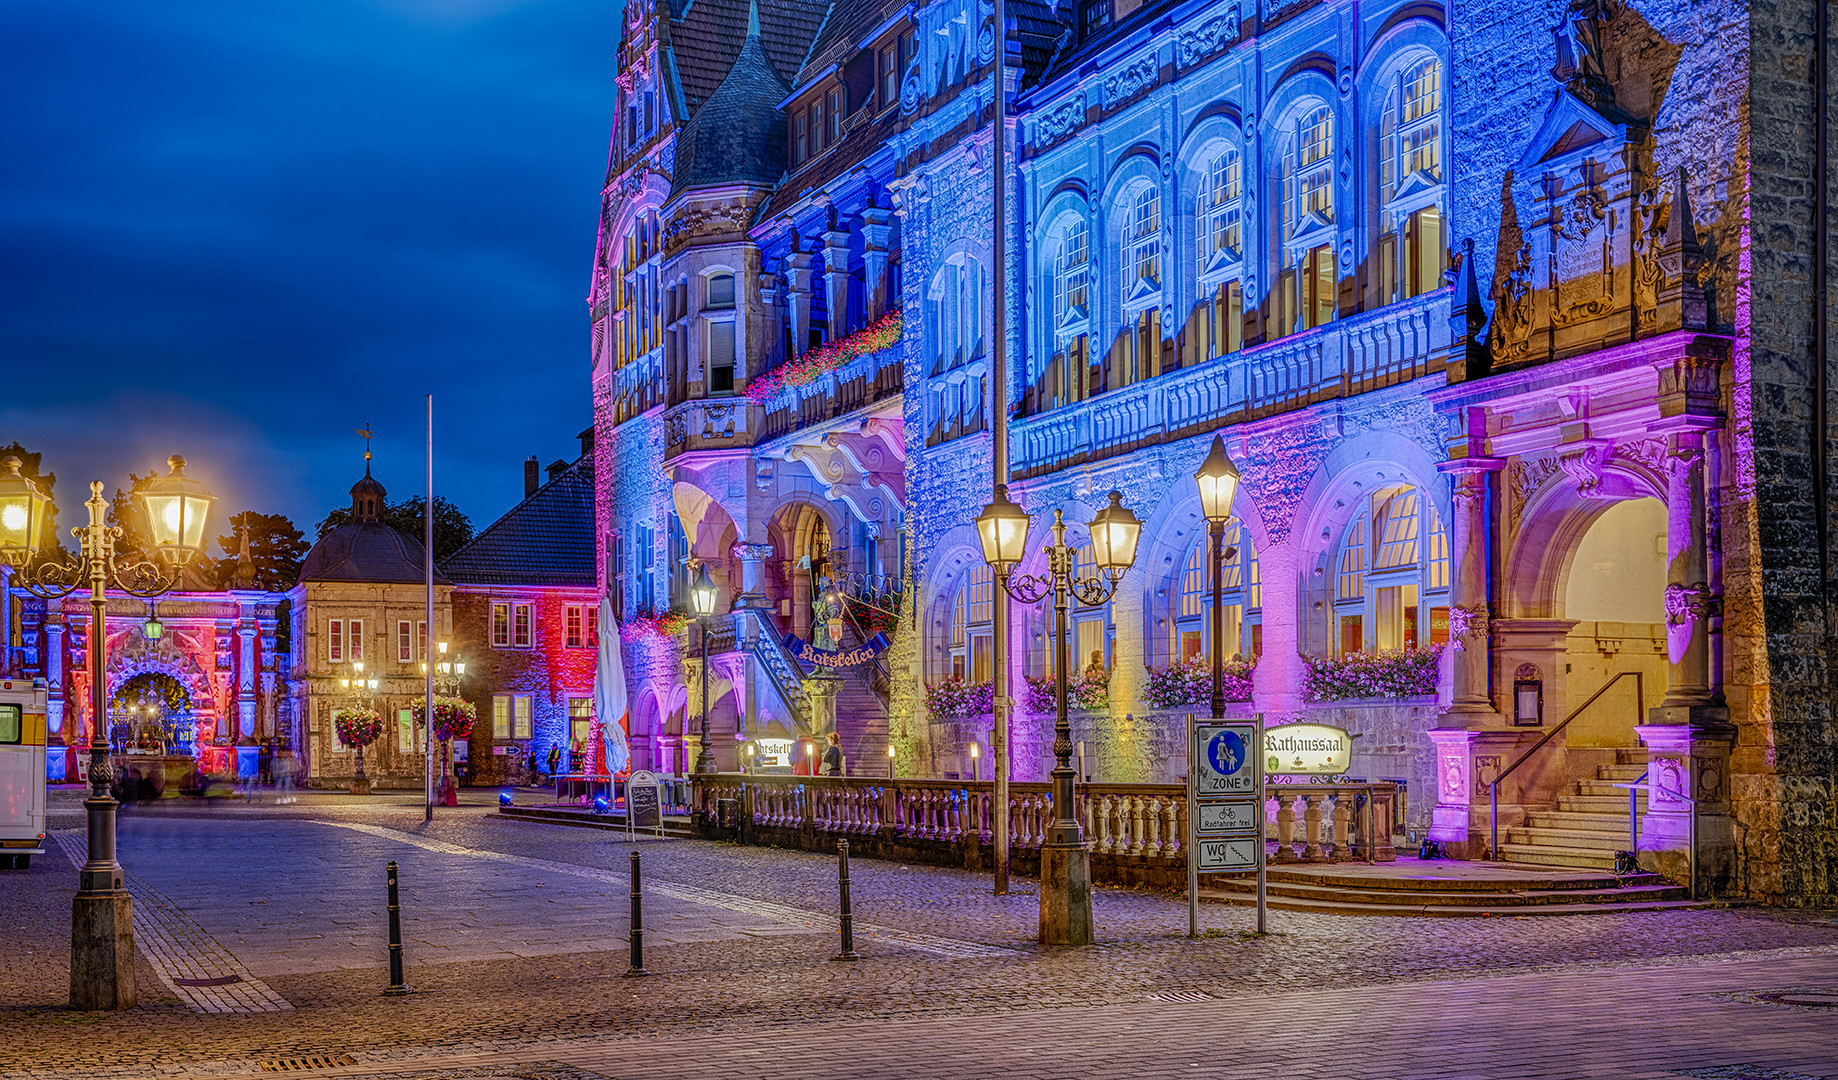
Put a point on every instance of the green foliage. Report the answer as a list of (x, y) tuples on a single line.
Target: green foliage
[(452, 529), (1087, 691), (275, 545)]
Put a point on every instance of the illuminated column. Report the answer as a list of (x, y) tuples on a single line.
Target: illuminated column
[(1469, 614), (798, 299), (752, 574), (1278, 684), (877, 231), (246, 631), (1689, 600), (54, 675), (836, 282)]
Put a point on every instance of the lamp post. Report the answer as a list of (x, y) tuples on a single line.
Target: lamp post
[(173, 509), (702, 600), (891, 755), (1065, 873), (362, 690), (1218, 480), (448, 674)]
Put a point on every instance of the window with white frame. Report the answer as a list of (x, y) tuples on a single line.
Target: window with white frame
[(1143, 247), (335, 641), (523, 626), (956, 313), (511, 716), (1136, 350), (1391, 582), (501, 625), (1307, 293), (1413, 248), (972, 621), (574, 626), (344, 640), (1071, 313), (1215, 325), (1241, 599)]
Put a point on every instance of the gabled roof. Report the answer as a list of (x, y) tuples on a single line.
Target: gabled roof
[(547, 539), (706, 36), (738, 136)]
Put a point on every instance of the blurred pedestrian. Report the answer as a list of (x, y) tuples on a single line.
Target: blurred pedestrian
[(555, 760), (284, 776), (832, 756)]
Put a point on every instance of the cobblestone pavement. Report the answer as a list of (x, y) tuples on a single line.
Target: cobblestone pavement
[(517, 946)]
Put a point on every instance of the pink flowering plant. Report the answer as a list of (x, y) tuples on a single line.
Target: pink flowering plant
[(815, 364), (358, 728), (1190, 682), (1088, 691), (668, 626), (953, 698), (1409, 673), (453, 717)]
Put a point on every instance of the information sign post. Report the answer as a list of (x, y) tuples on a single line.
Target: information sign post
[(1225, 806)]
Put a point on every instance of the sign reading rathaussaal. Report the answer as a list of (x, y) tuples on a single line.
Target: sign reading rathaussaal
[(1307, 749), (861, 654)]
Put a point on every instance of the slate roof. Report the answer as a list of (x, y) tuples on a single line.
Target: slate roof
[(547, 539), (367, 551), (739, 134), (706, 36)]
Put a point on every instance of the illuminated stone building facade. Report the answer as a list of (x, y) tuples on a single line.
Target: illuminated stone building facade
[(1473, 293)]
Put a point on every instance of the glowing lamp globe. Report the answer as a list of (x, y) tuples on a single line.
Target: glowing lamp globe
[(22, 515), (175, 507), (702, 593), (1114, 532), (1218, 480), (1002, 528)]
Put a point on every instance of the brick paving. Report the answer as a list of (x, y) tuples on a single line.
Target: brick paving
[(752, 993)]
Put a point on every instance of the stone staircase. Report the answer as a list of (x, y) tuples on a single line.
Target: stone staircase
[(1449, 890), (1589, 824)]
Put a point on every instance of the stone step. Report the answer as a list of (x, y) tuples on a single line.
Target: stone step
[(1547, 855), (1636, 755), (1595, 804), (1607, 787), (1623, 774), (1338, 907), (1588, 839), (1511, 894), (1611, 824), (1352, 878)]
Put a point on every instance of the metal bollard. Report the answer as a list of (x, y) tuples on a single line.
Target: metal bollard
[(396, 987), (638, 925), (848, 918)]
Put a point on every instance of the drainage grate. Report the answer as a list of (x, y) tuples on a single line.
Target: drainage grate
[(221, 980), (317, 1061), (1187, 996)]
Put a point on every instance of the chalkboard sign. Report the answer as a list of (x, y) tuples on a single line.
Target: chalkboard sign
[(644, 802)]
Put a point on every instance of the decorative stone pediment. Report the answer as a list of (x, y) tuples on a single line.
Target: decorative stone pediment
[(1570, 132)]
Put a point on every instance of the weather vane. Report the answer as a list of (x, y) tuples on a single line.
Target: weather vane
[(367, 435)]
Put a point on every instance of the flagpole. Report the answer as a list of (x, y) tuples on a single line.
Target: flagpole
[(427, 534)]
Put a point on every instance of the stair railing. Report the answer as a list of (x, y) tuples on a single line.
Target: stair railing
[(782, 669), (1493, 786), (1633, 810)]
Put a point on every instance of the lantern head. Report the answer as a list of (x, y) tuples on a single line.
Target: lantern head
[(174, 507), (702, 593), (23, 509), (1002, 527), (1114, 532), (1218, 480)]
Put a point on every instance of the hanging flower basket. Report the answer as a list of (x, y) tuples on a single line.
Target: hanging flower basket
[(1410, 673), (818, 362), (359, 728), (1191, 683), (453, 717), (1087, 692), (670, 626)]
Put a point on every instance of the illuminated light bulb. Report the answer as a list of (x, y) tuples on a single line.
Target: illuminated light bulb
[(13, 518), (173, 514)]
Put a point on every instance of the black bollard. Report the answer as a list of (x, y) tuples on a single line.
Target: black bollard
[(396, 986), (638, 925), (848, 919)]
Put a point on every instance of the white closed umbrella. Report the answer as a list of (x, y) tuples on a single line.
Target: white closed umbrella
[(609, 694)]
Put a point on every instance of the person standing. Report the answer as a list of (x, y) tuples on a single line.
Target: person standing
[(832, 756), (555, 759)]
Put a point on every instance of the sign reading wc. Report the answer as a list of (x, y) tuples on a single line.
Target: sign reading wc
[(1308, 750)]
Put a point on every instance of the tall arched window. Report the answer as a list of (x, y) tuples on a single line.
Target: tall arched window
[(1072, 312), (955, 313), (1391, 589), (1216, 324), (1136, 351), (972, 615), (1240, 594), (1413, 247), (1307, 288)]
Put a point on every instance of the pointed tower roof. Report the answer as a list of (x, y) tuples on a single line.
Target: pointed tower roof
[(737, 136)]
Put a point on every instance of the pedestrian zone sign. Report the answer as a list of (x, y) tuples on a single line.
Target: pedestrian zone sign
[(1224, 764)]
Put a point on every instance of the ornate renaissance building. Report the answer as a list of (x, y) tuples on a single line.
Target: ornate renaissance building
[(1504, 324)]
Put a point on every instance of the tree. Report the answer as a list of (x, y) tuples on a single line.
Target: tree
[(30, 464), (123, 514), (276, 547), (452, 529)]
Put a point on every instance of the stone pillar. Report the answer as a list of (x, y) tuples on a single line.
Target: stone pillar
[(1277, 690), (54, 675), (752, 574), (822, 688), (798, 300), (246, 631), (1689, 601), (1468, 610), (836, 281), (877, 231)]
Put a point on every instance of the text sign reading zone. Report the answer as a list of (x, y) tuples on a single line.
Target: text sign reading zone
[(1226, 817), (1219, 855), (1222, 759)]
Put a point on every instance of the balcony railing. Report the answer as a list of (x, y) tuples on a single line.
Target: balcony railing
[(1364, 352), (863, 381)]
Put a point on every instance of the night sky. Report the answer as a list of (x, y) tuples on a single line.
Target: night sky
[(240, 229)]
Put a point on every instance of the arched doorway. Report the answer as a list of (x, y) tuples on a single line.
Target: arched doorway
[(1614, 597), (152, 712)]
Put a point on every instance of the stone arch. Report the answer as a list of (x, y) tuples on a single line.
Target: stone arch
[(1547, 529)]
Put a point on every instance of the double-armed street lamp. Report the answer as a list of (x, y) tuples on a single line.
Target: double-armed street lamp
[(362, 690), (172, 511), (702, 594), (1218, 480), (447, 675), (1065, 872)]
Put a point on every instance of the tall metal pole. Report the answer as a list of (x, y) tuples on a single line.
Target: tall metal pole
[(427, 533), (1217, 529), (998, 423), (102, 923), (1065, 875), (705, 758)]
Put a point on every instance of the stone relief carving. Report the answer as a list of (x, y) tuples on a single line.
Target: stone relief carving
[(1138, 76), (1691, 603), (1060, 121), (1512, 310), (1276, 469), (1583, 462), (1209, 37), (1523, 479), (686, 224), (1466, 622)]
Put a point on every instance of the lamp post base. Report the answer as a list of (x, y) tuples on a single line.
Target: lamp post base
[(102, 951), (1065, 895)]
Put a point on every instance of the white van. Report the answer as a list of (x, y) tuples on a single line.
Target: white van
[(22, 771)]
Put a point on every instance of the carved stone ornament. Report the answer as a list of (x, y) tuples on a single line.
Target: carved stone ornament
[(1469, 487), (676, 429), (1132, 80), (1691, 602), (1466, 620), (759, 552), (1510, 337), (1209, 37), (1060, 121)]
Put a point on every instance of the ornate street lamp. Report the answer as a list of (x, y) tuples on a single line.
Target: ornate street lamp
[(702, 600), (175, 508), (1065, 874), (448, 674), (1218, 480), (362, 691)]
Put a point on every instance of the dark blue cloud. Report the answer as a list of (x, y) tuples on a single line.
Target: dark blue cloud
[(239, 230)]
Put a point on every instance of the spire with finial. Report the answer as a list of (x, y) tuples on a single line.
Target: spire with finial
[(752, 18), (367, 435), (245, 557)]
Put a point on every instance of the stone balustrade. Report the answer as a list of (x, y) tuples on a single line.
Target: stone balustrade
[(1135, 832)]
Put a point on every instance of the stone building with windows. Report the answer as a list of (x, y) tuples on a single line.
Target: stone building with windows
[(1500, 318)]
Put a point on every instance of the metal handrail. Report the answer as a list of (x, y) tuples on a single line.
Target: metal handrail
[(1493, 786), (1633, 809)]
